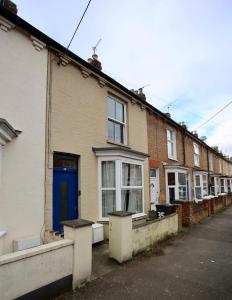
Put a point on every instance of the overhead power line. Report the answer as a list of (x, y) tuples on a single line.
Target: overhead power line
[(218, 112), (79, 24)]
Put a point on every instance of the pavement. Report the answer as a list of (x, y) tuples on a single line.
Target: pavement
[(194, 265)]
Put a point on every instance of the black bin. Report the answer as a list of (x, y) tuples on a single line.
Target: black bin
[(167, 209)]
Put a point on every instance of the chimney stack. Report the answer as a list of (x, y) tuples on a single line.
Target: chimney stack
[(95, 62), (184, 125), (141, 94), (168, 115), (195, 133), (9, 5)]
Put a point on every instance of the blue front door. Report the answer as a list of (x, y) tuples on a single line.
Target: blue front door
[(65, 196)]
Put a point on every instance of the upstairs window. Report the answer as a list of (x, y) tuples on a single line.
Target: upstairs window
[(220, 165), (210, 161), (196, 154), (116, 121), (171, 143)]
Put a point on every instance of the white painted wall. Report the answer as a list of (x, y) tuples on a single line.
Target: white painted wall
[(23, 78), (143, 237), (24, 271)]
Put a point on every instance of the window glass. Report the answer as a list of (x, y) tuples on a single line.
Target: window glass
[(182, 193), (108, 174), (228, 186), (171, 194), (108, 202), (171, 178), (63, 161), (198, 193), (119, 112), (116, 122), (182, 178), (118, 133), (152, 172), (131, 175), (171, 143), (132, 200), (110, 130), (197, 180), (111, 108)]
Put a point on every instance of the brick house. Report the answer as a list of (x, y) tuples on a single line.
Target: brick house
[(182, 166)]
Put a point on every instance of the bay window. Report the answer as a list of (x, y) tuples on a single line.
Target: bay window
[(200, 185), (222, 184), (177, 185), (121, 186), (214, 185), (116, 121)]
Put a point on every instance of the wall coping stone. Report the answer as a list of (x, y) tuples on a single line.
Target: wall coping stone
[(23, 254), (77, 223), (154, 221), (121, 213)]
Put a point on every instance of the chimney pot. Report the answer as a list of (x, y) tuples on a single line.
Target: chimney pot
[(9, 5)]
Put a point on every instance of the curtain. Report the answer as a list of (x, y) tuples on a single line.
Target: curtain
[(108, 174)]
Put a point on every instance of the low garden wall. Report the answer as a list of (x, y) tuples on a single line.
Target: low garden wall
[(126, 239), (28, 270), (46, 271), (193, 212), (145, 235)]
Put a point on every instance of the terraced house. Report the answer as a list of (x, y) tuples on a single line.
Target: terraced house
[(182, 166), (77, 144)]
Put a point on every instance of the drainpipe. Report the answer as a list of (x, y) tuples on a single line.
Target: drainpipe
[(183, 146), (208, 171)]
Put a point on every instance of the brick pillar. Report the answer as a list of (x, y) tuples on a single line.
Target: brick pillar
[(178, 208)]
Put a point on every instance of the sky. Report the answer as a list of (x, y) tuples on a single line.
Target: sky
[(181, 49)]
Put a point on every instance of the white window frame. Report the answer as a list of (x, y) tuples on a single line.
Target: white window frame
[(211, 161), (173, 142), (216, 185), (118, 184), (201, 174), (124, 124), (176, 186), (196, 154), (225, 186)]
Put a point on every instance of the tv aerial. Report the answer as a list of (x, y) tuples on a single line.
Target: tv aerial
[(95, 47)]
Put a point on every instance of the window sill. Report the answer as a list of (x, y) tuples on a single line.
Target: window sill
[(173, 158), (118, 144)]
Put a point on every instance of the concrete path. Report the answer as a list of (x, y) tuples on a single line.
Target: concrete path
[(197, 265)]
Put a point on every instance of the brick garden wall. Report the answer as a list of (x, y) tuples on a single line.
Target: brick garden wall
[(192, 213)]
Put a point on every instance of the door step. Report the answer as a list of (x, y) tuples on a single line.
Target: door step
[(52, 236)]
